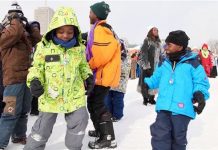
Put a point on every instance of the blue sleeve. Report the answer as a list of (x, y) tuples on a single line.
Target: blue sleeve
[(200, 81), (154, 80)]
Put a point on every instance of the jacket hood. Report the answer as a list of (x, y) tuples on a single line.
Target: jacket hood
[(63, 16), (189, 55)]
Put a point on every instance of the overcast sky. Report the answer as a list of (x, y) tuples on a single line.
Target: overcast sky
[(130, 19)]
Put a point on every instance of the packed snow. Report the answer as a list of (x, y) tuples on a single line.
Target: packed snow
[(133, 131)]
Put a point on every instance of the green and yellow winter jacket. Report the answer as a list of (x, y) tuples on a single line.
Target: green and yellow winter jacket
[(61, 71)]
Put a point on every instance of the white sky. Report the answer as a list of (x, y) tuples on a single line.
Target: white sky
[(130, 19)]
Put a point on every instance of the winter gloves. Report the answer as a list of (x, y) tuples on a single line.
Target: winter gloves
[(89, 84), (198, 97), (36, 88), (145, 90)]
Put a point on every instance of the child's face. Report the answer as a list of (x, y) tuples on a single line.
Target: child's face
[(204, 48), (65, 33), (172, 48)]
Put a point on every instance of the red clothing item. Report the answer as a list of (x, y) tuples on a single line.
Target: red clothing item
[(206, 62)]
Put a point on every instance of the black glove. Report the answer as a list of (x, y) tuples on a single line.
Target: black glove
[(123, 56), (90, 83), (198, 97), (36, 88), (149, 72), (18, 16), (145, 90)]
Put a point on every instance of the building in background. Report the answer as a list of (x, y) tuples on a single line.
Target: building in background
[(43, 15)]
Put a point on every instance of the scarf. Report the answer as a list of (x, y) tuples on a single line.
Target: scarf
[(205, 53), (176, 56), (90, 41), (65, 44)]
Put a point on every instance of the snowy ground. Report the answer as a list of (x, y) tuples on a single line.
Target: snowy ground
[(133, 133)]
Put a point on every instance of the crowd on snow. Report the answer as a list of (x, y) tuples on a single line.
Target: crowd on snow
[(65, 71)]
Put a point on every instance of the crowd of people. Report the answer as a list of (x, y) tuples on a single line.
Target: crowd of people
[(65, 71)]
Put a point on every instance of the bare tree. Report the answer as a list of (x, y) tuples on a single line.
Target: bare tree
[(213, 46)]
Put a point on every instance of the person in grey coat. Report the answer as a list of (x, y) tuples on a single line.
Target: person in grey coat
[(148, 59)]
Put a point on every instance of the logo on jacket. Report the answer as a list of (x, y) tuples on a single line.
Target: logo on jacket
[(10, 109), (181, 105)]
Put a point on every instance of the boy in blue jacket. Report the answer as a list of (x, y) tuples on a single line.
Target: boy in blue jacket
[(181, 81)]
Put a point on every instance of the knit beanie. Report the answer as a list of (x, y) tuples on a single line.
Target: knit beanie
[(15, 8), (101, 10), (178, 37)]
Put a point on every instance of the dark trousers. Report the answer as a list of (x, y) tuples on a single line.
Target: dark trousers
[(141, 84), (114, 102), (99, 114), (169, 131), (1, 106), (1, 103), (1, 98)]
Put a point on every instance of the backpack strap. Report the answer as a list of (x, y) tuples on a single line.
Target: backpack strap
[(109, 27)]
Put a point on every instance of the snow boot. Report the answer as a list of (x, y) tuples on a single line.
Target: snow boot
[(102, 143), (107, 137), (93, 133), (17, 140)]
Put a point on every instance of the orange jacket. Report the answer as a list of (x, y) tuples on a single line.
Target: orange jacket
[(106, 56)]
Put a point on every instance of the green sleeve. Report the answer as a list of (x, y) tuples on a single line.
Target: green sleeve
[(38, 66), (84, 68)]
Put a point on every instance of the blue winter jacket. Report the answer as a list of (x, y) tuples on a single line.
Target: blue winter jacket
[(177, 86)]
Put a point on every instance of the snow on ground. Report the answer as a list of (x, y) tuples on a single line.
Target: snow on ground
[(133, 133)]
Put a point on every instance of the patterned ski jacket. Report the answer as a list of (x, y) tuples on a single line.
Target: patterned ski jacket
[(177, 86), (125, 69), (61, 71)]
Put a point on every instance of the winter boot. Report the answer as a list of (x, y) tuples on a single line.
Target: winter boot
[(106, 139), (102, 143), (93, 133), (145, 101), (151, 100), (19, 140)]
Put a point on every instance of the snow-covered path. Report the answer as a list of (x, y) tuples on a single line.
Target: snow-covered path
[(133, 133)]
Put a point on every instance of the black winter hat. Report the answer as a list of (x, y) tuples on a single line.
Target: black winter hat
[(15, 8), (178, 37), (101, 10)]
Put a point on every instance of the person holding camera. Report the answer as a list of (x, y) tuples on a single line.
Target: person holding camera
[(1, 84), (15, 50)]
